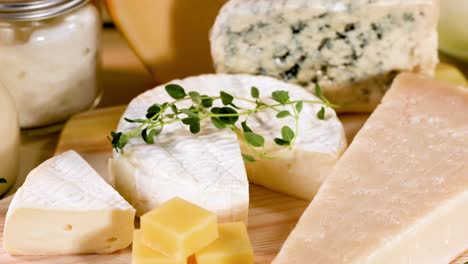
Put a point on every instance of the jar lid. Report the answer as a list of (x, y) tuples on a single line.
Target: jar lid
[(30, 10)]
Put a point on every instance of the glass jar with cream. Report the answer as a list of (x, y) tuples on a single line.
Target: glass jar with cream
[(9, 149), (49, 58)]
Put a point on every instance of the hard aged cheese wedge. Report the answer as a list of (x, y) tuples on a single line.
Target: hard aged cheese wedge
[(352, 48), (65, 207), (207, 169), (399, 194)]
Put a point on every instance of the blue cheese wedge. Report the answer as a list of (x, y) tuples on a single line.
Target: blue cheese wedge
[(352, 48), (65, 207), (207, 168)]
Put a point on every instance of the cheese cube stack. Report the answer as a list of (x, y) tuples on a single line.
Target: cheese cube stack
[(232, 247), (179, 228)]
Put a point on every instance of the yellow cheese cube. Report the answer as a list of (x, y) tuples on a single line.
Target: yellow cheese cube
[(179, 228), (232, 247), (141, 254)]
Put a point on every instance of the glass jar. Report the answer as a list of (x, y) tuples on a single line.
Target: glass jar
[(9, 148), (49, 58)]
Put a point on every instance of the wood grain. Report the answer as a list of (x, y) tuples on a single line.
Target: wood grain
[(272, 216)]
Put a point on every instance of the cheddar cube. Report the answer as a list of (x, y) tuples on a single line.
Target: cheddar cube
[(178, 228), (141, 254), (232, 247)]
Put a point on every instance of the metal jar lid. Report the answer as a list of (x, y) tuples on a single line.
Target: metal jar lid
[(31, 10)]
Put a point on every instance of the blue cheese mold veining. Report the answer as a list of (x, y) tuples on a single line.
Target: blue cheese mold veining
[(352, 48)]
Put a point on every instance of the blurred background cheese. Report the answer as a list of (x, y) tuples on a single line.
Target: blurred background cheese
[(451, 74), (170, 36), (453, 28)]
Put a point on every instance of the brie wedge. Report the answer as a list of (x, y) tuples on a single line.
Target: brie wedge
[(207, 168), (65, 207)]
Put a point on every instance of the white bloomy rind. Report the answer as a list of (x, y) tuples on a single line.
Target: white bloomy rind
[(65, 207), (207, 169)]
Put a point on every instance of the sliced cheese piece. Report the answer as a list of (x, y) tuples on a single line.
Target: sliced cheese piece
[(65, 207), (399, 193), (353, 49), (207, 169)]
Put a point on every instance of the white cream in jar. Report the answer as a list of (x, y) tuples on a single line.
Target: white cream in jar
[(50, 66), (9, 148)]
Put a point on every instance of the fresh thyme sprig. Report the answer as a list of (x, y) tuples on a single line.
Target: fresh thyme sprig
[(227, 116)]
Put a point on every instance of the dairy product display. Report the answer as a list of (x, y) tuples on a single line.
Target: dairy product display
[(65, 207), (9, 148), (50, 66), (399, 193), (353, 49)]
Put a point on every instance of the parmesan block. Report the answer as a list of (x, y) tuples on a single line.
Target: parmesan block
[(352, 48), (65, 207), (207, 168), (400, 192)]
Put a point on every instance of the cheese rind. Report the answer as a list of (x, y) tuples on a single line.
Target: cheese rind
[(353, 49), (65, 207), (207, 168), (398, 193)]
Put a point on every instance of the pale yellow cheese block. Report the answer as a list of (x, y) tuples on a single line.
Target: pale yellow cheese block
[(400, 192), (170, 36)]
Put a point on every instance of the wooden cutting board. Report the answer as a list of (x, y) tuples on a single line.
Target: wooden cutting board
[(272, 216)]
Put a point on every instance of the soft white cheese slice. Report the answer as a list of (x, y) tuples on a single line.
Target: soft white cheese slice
[(65, 207), (207, 169), (399, 194)]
